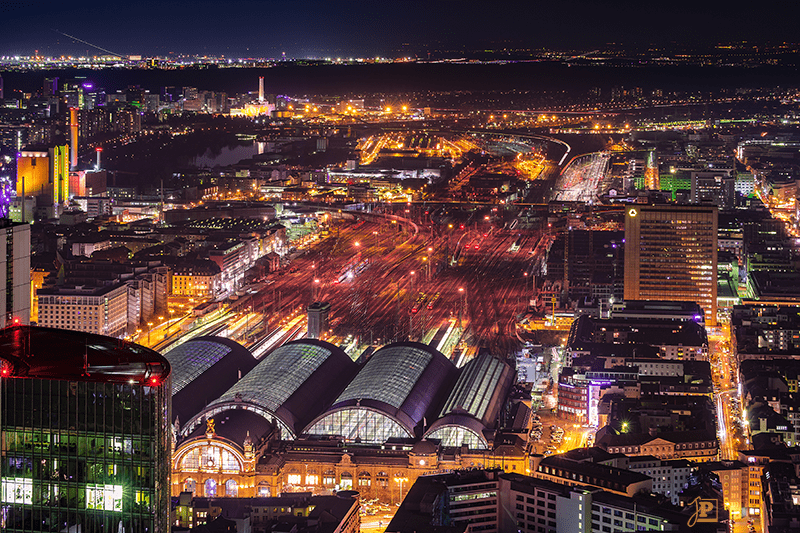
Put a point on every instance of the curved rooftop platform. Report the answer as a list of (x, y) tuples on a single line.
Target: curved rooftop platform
[(48, 353), (474, 403), (292, 385), (400, 386), (203, 369)]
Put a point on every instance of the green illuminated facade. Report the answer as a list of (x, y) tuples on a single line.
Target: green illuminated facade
[(90, 452)]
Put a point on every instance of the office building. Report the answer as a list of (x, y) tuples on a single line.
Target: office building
[(15, 266), (86, 433), (293, 512), (43, 172), (101, 310), (714, 187), (671, 254), (492, 501)]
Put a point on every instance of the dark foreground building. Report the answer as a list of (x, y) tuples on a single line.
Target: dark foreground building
[(84, 433)]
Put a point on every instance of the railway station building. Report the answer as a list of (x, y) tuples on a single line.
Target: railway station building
[(308, 418)]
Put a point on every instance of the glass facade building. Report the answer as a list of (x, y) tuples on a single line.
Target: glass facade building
[(85, 433)]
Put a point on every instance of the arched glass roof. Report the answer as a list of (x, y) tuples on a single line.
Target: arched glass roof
[(293, 384), (474, 403), (358, 423), (405, 382), (192, 358), (205, 368), (456, 436), (284, 370), (476, 387), (389, 375)]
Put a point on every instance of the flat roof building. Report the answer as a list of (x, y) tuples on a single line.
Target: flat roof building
[(671, 254)]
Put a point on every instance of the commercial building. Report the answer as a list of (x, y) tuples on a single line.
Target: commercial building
[(669, 477), (675, 311), (100, 310), (491, 501), (15, 267), (682, 340), (196, 279), (735, 481), (85, 421), (289, 512), (105, 297), (43, 172), (766, 331), (671, 254), (697, 446)]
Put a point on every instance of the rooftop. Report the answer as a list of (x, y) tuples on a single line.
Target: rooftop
[(46, 353)]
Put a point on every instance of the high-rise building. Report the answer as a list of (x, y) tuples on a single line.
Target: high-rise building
[(671, 254), (86, 432), (44, 171), (714, 187), (73, 137), (15, 267)]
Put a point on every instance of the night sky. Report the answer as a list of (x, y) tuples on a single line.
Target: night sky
[(340, 28)]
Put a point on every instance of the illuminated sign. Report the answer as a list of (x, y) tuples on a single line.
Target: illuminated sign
[(704, 511), (632, 212)]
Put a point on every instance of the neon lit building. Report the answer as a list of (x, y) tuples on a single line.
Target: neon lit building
[(85, 433), (651, 176)]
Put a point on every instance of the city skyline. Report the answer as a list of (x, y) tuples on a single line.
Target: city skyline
[(483, 274)]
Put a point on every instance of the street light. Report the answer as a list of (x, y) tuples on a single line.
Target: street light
[(461, 306), (401, 480), (149, 329)]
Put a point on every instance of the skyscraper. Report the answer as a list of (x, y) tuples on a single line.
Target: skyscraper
[(671, 254), (15, 267), (86, 433)]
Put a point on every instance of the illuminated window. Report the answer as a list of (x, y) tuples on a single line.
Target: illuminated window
[(293, 479), (211, 488), (231, 488), (104, 497), (17, 490), (347, 481)]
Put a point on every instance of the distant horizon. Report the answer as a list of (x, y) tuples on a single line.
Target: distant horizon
[(491, 50), (359, 28)]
